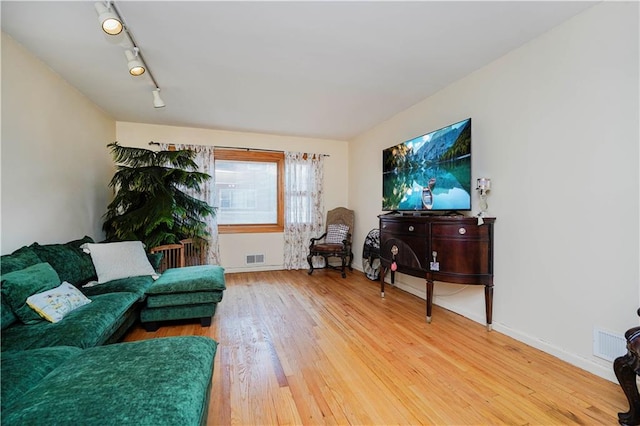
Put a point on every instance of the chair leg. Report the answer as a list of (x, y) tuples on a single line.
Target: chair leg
[(310, 261)]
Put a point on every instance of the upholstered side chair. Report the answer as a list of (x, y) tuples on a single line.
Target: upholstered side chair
[(335, 242)]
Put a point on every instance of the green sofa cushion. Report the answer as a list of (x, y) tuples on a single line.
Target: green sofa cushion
[(88, 326), (178, 299), (72, 264), (23, 370), (137, 285), (17, 286), (153, 382), (178, 312), (19, 259), (190, 278)]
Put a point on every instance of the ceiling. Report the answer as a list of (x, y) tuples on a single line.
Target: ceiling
[(325, 69)]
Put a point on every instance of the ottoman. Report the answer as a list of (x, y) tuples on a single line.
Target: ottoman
[(184, 293)]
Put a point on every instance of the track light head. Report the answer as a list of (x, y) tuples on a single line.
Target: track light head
[(136, 67), (157, 100), (109, 21)]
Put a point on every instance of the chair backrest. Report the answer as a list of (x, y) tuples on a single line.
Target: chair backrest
[(194, 253), (341, 215), (185, 253), (173, 256)]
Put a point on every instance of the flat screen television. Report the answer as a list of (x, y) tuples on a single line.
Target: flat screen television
[(429, 173)]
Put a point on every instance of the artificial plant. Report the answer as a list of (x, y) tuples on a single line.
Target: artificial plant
[(150, 204)]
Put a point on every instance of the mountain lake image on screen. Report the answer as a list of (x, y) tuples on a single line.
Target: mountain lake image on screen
[(431, 172)]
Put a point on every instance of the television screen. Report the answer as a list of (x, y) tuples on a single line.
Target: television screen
[(431, 172)]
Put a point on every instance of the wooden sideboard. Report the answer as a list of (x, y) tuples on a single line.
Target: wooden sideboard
[(453, 249)]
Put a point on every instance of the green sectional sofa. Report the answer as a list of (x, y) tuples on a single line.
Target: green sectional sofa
[(113, 309), (68, 372)]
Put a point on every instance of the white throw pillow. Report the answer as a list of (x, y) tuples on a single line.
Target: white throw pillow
[(54, 304), (125, 259), (336, 233)]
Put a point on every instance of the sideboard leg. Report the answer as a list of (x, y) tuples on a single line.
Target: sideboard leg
[(488, 302), (429, 299), (383, 271), (627, 378), (626, 368)]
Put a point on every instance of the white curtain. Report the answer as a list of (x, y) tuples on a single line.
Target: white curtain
[(205, 161), (304, 206)]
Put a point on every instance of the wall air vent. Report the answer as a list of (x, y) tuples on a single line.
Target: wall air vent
[(608, 345), (252, 259)]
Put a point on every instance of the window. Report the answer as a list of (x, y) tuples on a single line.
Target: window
[(249, 188)]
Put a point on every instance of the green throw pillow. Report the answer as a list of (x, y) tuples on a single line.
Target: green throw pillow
[(17, 286), (70, 262), (6, 315), (155, 259), (19, 259)]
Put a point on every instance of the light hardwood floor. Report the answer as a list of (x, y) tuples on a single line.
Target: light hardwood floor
[(295, 349)]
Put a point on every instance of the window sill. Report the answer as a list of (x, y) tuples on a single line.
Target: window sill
[(249, 229)]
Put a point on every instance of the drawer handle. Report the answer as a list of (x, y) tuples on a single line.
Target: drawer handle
[(411, 228), (462, 231)]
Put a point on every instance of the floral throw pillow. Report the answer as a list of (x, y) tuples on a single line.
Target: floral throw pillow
[(54, 304)]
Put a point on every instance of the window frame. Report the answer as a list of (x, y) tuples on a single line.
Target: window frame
[(259, 157)]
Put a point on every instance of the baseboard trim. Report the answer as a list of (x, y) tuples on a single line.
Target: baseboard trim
[(253, 268)]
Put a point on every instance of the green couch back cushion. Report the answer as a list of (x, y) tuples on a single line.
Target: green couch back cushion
[(17, 286), (19, 259), (70, 262)]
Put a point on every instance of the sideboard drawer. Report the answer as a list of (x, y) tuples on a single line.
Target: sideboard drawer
[(404, 228), (460, 230)]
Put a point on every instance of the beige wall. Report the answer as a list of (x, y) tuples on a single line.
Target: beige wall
[(555, 125), (235, 247), (55, 165)]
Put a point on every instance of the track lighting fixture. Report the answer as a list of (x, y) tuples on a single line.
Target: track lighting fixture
[(136, 67), (157, 100), (109, 21), (112, 23)]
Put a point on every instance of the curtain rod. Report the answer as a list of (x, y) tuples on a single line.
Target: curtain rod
[(236, 148)]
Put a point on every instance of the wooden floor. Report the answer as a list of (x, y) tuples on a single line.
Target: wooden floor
[(295, 349)]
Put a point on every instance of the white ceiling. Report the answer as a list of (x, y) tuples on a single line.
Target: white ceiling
[(325, 69)]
